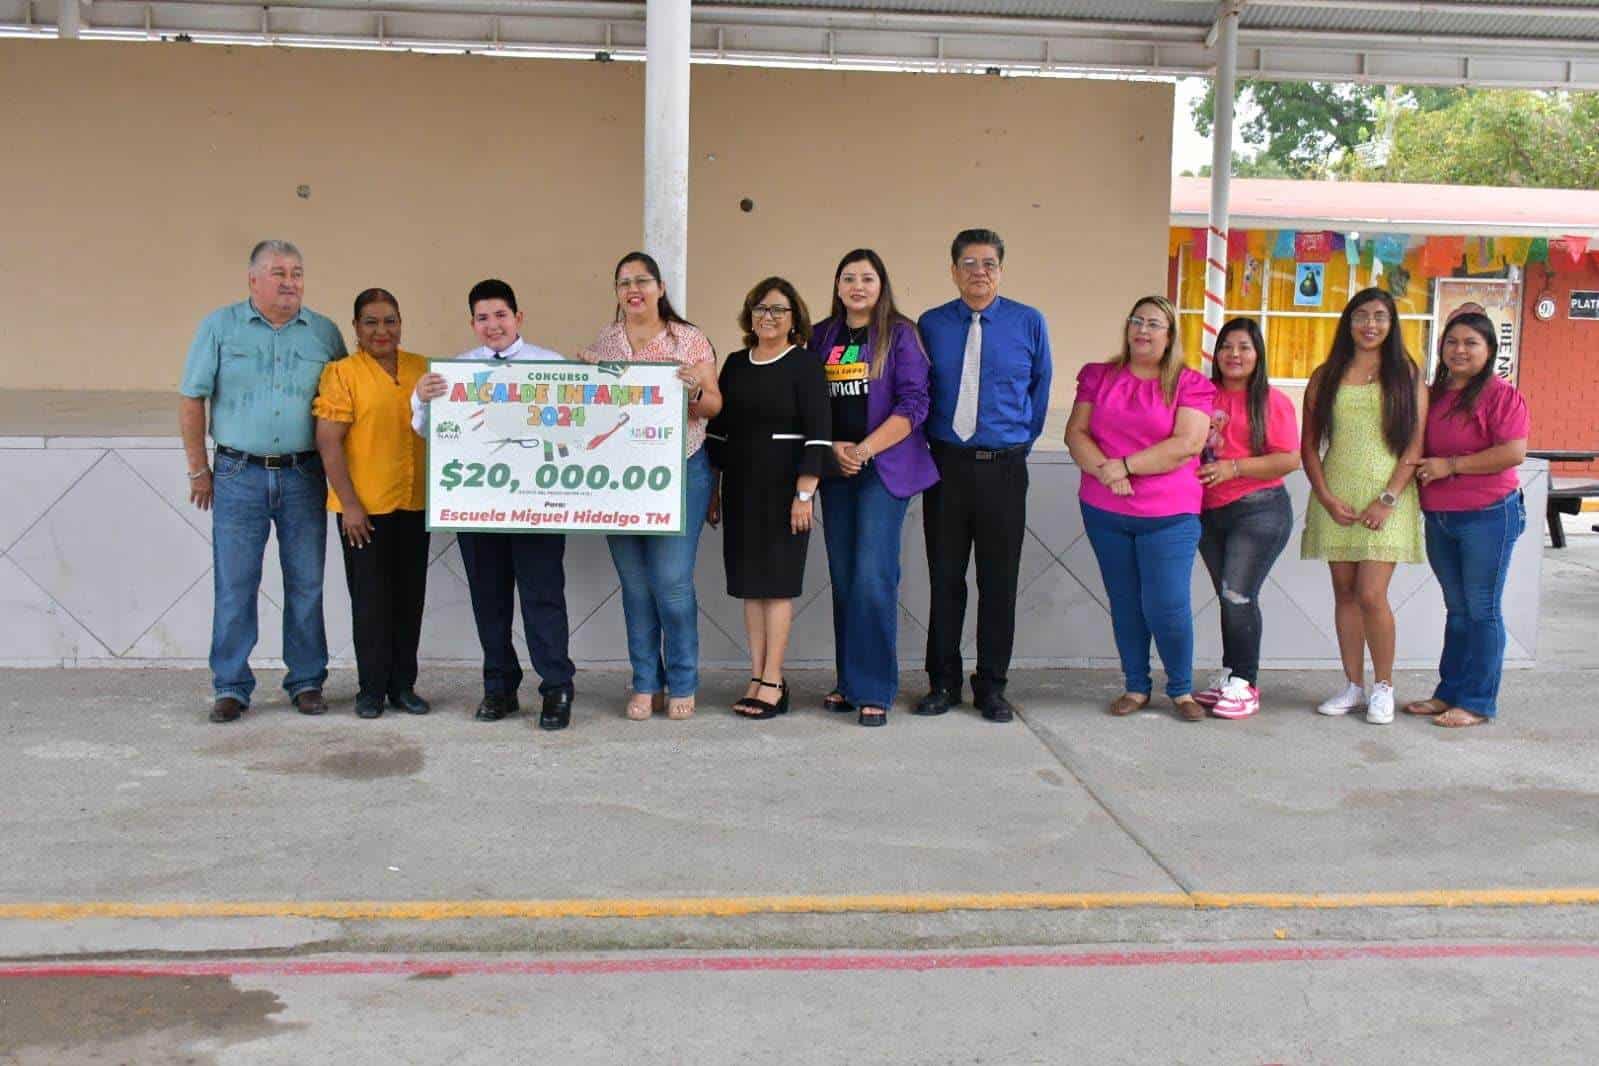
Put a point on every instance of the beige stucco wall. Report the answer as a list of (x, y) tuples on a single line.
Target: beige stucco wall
[(138, 176)]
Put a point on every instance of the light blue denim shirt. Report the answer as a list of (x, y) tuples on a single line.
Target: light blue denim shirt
[(260, 380)]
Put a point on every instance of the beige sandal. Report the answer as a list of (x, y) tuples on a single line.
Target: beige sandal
[(679, 708), (1128, 702), (640, 706), (1459, 718), (1426, 708)]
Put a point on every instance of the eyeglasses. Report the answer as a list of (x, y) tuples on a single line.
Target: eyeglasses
[(769, 311), (971, 266), (1381, 318), (1154, 325), (643, 282)]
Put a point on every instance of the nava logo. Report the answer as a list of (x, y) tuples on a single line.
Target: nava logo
[(448, 431)]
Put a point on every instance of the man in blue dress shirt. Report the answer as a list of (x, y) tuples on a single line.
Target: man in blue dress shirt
[(990, 392), (258, 363)]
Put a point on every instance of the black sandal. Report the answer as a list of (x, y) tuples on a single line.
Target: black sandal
[(873, 716), (745, 701), (762, 709), (835, 701)]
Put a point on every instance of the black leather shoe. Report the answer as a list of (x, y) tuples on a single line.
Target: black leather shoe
[(368, 706), (995, 707), (496, 706), (226, 709), (409, 702), (557, 712), (938, 701), (311, 702)]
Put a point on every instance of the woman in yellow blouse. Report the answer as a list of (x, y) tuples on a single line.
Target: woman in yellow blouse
[(376, 478)]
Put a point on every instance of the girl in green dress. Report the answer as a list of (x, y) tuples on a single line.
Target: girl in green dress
[(1365, 408)]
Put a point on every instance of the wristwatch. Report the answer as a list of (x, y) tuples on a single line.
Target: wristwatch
[(804, 496), (1386, 498)]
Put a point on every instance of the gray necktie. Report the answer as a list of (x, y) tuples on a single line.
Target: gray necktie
[(965, 421)]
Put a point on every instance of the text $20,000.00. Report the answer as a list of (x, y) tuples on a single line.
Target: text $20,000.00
[(548, 475)]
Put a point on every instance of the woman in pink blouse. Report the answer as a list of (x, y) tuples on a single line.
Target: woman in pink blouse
[(657, 572), (1135, 431), (1246, 519), (1476, 436)]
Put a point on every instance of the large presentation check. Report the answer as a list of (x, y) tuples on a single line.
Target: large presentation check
[(557, 447)]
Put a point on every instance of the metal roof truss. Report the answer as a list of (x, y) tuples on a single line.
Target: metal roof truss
[(853, 38)]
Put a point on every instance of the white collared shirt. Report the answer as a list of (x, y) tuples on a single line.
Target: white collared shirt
[(519, 351)]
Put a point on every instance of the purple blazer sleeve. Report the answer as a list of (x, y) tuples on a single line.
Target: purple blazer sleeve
[(911, 391)]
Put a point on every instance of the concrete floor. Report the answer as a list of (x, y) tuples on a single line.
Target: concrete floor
[(125, 794)]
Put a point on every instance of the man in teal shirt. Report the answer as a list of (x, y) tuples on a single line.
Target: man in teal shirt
[(258, 364)]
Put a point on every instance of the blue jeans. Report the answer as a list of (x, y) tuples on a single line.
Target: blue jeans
[(1146, 564), (248, 502), (658, 600), (861, 522), (1470, 553)]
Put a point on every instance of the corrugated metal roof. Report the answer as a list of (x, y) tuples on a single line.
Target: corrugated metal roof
[(1444, 18)]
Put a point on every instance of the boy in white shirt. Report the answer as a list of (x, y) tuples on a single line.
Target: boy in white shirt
[(531, 564)]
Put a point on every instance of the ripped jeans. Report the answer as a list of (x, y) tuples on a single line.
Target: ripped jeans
[(1239, 543)]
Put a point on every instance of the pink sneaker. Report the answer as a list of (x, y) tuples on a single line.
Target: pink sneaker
[(1239, 699), (1210, 695)]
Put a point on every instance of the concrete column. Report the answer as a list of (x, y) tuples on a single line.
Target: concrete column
[(1221, 174), (69, 20), (666, 116)]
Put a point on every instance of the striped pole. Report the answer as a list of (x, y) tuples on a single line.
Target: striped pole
[(1221, 172)]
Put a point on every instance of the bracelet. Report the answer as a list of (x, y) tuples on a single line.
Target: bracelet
[(1128, 467), (1235, 469), (1452, 470), (204, 471)]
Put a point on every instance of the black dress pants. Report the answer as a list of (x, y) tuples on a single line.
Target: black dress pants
[(388, 583), (980, 502), (532, 565)]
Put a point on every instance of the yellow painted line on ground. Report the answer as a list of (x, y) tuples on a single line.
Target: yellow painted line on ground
[(740, 906)]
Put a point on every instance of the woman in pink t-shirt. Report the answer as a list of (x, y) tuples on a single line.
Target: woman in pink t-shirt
[(1476, 436), (1135, 432), (1247, 519)]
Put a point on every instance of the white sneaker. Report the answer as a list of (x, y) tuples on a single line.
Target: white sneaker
[(1380, 708), (1210, 695), (1351, 697)]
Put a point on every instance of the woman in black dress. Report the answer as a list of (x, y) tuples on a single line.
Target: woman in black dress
[(769, 440)]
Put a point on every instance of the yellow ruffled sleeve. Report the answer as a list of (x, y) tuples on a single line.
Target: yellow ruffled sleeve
[(334, 401)]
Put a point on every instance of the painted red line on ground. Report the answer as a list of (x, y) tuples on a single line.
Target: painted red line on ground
[(915, 961)]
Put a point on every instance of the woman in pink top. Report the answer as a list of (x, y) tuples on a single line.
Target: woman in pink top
[(1135, 432), (1247, 519), (657, 572), (1476, 436)]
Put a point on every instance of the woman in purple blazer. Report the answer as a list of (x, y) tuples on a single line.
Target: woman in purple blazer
[(877, 383)]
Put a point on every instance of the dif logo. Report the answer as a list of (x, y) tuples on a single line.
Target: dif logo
[(651, 434)]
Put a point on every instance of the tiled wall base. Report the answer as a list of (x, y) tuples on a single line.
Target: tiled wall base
[(104, 562)]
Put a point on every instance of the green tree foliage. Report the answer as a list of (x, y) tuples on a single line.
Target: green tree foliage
[(1496, 137), (1414, 134), (1298, 129)]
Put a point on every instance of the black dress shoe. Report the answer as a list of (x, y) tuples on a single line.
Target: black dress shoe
[(368, 706), (557, 712), (310, 702), (995, 707), (938, 701), (226, 709), (409, 702), (495, 706)]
